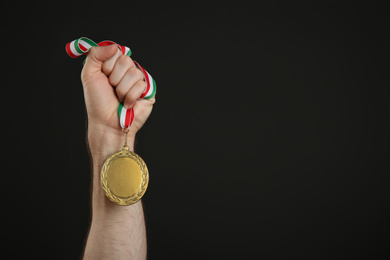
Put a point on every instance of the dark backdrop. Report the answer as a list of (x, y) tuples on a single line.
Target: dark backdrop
[(269, 138)]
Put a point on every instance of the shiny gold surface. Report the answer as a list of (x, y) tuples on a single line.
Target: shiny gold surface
[(124, 177)]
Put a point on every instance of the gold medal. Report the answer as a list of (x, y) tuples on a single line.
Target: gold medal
[(124, 177)]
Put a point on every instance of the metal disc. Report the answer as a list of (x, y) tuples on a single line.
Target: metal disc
[(124, 177)]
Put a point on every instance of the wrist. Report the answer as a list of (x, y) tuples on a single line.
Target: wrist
[(104, 141)]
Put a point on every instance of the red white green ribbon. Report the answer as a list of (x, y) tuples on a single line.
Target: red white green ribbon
[(82, 45), (150, 89), (126, 116)]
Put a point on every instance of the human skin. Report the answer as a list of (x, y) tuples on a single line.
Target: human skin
[(108, 77)]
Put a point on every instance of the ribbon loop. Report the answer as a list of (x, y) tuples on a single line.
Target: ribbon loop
[(81, 46)]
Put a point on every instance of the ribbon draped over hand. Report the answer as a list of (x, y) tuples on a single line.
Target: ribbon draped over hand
[(82, 45)]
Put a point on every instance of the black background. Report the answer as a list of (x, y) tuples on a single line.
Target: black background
[(269, 138)]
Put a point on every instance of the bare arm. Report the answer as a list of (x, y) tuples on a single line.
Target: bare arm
[(116, 232)]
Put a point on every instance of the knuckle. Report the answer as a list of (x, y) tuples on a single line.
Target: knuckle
[(141, 85), (136, 91), (135, 73), (131, 96), (140, 74), (124, 60), (121, 93), (130, 99), (113, 81)]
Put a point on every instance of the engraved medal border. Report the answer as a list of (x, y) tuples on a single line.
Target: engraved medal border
[(124, 201)]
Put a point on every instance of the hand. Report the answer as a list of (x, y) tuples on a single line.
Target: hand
[(108, 78)]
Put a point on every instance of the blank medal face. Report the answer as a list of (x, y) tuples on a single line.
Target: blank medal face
[(124, 178)]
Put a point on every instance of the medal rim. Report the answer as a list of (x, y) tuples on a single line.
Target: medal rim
[(125, 201)]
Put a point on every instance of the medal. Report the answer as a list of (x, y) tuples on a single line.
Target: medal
[(124, 175)]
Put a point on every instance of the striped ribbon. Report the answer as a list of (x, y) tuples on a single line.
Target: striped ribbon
[(82, 45), (126, 116)]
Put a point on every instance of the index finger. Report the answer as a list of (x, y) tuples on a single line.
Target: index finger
[(108, 65)]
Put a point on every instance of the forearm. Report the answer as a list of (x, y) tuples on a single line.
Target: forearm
[(117, 232)]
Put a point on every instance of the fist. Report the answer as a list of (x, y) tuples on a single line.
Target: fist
[(110, 78)]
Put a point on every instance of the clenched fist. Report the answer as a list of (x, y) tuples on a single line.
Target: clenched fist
[(108, 78)]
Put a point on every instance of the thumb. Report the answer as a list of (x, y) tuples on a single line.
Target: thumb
[(95, 59)]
